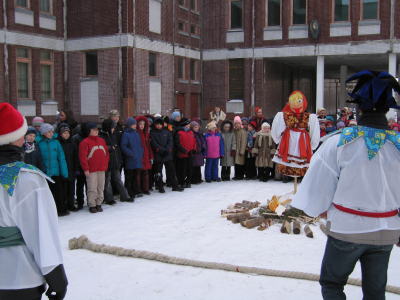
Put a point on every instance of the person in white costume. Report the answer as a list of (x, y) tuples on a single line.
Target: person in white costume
[(354, 176), (297, 133), (30, 251)]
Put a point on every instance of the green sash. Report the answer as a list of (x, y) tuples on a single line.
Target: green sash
[(10, 237)]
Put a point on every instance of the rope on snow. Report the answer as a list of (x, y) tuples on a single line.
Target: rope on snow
[(84, 243)]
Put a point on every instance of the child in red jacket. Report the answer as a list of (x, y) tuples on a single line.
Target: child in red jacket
[(186, 145), (94, 156)]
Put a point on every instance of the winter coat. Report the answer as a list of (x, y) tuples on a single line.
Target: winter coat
[(34, 157), (71, 153), (229, 139), (118, 133), (214, 145), (184, 142), (145, 138), (264, 147), (114, 162), (213, 117), (53, 156), (132, 149), (198, 158), (241, 143), (93, 154), (258, 122), (75, 128), (77, 139), (160, 140)]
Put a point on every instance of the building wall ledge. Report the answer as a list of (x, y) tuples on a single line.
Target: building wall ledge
[(369, 27), (340, 29), (272, 33)]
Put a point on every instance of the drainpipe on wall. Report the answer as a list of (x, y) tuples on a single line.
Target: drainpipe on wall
[(134, 57), (6, 75), (253, 61), (121, 104), (201, 63), (392, 8), (173, 54), (66, 99)]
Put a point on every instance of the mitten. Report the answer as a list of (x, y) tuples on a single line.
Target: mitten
[(56, 296), (221, 157), (233, 152), (255, 154)]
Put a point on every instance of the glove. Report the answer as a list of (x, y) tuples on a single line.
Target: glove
[(221, 157), (233, 152), (203, 149), (56, 296), (249, 150), (77, 173), (151, 161), (255, 154), (190, 153)]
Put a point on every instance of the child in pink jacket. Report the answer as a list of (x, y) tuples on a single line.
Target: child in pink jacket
[(214, 150)]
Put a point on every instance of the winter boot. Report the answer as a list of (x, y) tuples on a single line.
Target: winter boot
[(178, 189)]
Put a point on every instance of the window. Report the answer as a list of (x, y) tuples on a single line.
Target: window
[(46, 6), (193, 69), (181, 68), (182, 3), (236, 79), (370, 9), (91, 63), (236, 14), (46, 74), (22, 3), (182, 26), (193, 5), (194, 30), (153, 65), (341, 10), (274, 13), (299, 12), (23, 73)]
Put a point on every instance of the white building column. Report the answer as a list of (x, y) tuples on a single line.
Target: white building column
[(393, 72), (342, 94), (320, 81)]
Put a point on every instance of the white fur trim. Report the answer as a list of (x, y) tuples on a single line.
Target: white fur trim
[(15, 135)]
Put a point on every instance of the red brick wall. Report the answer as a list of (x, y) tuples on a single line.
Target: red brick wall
[(166, 61), (190, 17), (57, 12), (87, 18), (1, 16), (215, 23), (215, 83)]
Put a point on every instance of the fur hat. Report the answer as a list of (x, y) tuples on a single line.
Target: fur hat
[(265, 125), (319, 110), (184, 121), (13, 125), (159, 120), (193, 124), (130, 121), (37, 121), (175, 114), (165, 119), (211, 125), (46, 127), (30, 130), (114, 113)]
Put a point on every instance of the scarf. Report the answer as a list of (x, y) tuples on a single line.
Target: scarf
[(29, 147), (374, 120), (262, 134), (10, 154)]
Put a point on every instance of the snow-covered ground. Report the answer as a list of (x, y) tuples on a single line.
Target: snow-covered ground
[(189, 225)]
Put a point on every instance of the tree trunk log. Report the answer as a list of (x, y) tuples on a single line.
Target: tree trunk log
[(236, 220), (253, 223), (243, 223), (238, 215), (308, 231), (296, 227), (286, 227), (323, 228), (264, 225)]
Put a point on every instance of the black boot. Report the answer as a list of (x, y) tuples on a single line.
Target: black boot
[(178, 189)]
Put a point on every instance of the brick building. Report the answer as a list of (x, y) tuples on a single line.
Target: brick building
[(148, 56)]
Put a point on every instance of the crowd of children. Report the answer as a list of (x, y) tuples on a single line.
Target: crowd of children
[(95, 157)]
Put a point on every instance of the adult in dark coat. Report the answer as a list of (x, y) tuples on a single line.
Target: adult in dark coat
[(71, 152), (81, 178), (162, 145), (114, 164), (198, 158)]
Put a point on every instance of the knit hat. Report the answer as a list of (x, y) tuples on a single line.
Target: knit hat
[(351, 122), (245, 120), (37, 121), (322, 121), (130, 121), (330, 118), (329, 122), (30, 130), (197, 120), (90, 126), (184, 122), (158, 120), (150, 121), (114, 113), (253, 124), (63, 127), (165, 119), (319, 110), (340, 124), (107, 125), (265, 125), (193, 124), (46, 127), (237, 119), (211, 125), (395, 125), (13, 125), (157, 115), (175, 114)]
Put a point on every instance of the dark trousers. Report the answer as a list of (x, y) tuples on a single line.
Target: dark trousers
[(169, 171), (151, 178), (143, 180), (239, 171), (56, 189), (185, 167), (264, 173), (339, 261), (196, 176), (80, 192), (69, 193), (211, 169), (226, 171), (250, 163), (114, 176), (131, 182)]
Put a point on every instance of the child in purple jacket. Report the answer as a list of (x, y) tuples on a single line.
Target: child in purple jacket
[(198, 158), (214, 150)]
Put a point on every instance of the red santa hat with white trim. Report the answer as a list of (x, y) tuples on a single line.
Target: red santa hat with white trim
[(13, 124)]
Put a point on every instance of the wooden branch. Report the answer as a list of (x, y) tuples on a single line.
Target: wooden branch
[(308, 231), (296, 227), (264, 225), (238, 215), (239, 219), (286, 227)]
